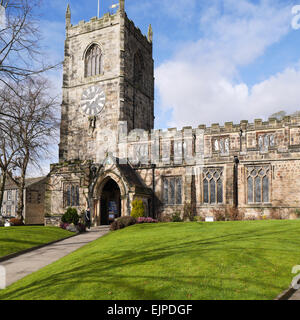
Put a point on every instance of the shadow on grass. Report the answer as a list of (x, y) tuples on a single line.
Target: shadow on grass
[(96, 270)]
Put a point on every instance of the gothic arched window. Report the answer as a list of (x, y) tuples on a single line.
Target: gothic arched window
[(93, 61), (212, 185), (71, 195), (258, 184)]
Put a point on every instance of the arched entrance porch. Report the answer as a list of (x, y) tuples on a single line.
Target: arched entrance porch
[(110, 198), (110, 202)]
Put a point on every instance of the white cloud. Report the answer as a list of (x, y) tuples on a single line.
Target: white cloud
[(200, 84)]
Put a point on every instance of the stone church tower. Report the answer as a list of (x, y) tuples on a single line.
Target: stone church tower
[(107, 80), (109, 155)]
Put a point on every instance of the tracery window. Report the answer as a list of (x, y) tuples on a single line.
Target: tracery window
[(266, 141), (172, 190), (93, 61), (71, 195), (141, 153), (212, 185), (258, 184), (221, 144)]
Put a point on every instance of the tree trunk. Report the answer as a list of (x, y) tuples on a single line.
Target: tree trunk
[(2, 188), (20, 201)]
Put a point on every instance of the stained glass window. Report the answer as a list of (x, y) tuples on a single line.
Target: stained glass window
[(213, 185), (71, 195), (250, 189), (258, 184), (178, 189), (220, 191), (172, 193)]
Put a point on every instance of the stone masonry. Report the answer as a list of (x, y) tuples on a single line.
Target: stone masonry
[(253, 167)]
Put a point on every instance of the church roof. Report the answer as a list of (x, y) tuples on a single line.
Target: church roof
[(9, 185), (133, 179)]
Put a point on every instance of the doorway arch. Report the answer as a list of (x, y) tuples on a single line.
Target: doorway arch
[(110, 202)]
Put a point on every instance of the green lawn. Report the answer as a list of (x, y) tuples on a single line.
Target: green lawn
[(221, 260), (14, 239)]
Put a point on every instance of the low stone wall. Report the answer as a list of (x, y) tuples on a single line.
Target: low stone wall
[(53, 221)]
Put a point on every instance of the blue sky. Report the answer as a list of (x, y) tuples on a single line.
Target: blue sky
[(215, 60)]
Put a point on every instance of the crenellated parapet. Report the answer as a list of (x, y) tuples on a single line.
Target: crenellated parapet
[(216, 143), (147, 41), (93, 24)]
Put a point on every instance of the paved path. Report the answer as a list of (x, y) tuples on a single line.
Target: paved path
[(23, 265), (295, 296)]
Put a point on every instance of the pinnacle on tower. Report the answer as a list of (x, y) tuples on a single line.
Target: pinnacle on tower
[(122, 5), (68, 16), (150, 34)]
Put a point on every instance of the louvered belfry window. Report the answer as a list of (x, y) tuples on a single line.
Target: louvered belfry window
[(93, 61)]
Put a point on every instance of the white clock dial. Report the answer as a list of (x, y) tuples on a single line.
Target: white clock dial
[(92, 100)]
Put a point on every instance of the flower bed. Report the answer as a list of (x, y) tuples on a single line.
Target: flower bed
[(73, 228), (146, 220)]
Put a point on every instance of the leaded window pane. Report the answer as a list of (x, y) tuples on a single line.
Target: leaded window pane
[(265, 189), (166, 190), (257, 189), (258, 181), (250, 189), (205, 191), (213, 185), (212, 191), (77, 196), (172, 191), (178, 193), (73, 196), (68, 197), (220, 191)]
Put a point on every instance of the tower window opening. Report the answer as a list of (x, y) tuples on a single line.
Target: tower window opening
[(93, 61)]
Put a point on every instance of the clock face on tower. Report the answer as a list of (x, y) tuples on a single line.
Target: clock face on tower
[(92, 100)]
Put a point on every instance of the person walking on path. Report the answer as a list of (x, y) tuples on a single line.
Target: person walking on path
[(87, 218)]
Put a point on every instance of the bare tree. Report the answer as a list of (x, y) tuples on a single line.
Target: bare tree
[(34, 127), (20, 50)]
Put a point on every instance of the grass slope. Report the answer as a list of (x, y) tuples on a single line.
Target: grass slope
[(222, 260), (14, 239)]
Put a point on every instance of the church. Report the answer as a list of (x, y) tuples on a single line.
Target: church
[(110, 154)]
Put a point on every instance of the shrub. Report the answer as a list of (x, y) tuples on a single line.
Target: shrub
[(251, 217), (146, 220), (138, 209), (122, 222), (165, 218), (277, 214), (2, 222), (81, 227), (16, 222), (188, 212), (64, 225), (234, 214), (71, 216), (219, 214), (176, 217)]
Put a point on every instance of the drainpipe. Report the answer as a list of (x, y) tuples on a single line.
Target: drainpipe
[(241, 136), (235, 182), (153, 191)]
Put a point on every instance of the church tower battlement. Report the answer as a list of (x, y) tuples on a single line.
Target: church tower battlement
[(108, 78)]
